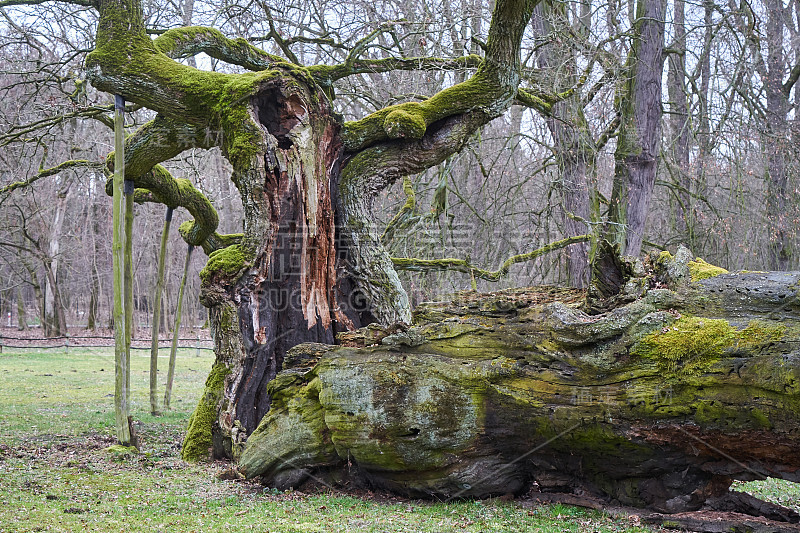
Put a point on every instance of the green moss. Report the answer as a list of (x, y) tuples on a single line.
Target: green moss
[(226, 262), (760, 332), (482, 91), (405, 123), (120, 450), (688, 347), (759, 417), (700, 270), (692, 344), (197, 444)]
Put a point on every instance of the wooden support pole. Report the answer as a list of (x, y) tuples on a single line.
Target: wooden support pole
[(121, 344), (157, 313), (176, 331)]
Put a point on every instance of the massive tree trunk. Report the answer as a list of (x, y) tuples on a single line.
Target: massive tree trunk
[(308, 264), (661, 403), (278, 288)]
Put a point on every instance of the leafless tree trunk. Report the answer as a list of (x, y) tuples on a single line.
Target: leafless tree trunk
[(55, 323), (679, 124), (776, 137), (636, 156), (574, 144)]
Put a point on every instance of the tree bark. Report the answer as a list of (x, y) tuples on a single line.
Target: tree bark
[(55, 323), (640, 130), (661, 403), (777, 138), (22, 319)]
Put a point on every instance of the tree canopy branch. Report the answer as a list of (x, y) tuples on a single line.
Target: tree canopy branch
[(189, 41), (10, 3), (325, 75)]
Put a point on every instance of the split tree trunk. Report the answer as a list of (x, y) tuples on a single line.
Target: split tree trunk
[(661, 403), (279, 287), (291, 277)]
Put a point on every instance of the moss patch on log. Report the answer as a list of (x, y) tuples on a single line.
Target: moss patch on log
[(699, 269), (689, 346)]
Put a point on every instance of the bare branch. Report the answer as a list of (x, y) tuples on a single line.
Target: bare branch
[(15, 133), (66, 165), (462, 265), (325, 75), (85, 3)]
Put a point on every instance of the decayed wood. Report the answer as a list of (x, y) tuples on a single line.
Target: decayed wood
[(488, 394)]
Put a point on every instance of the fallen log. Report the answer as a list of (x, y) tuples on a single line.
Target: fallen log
[(660, 403)]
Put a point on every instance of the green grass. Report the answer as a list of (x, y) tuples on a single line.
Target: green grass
[(57, 418), (773, 490)]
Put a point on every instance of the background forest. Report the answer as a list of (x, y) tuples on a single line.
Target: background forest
[(726, 182)]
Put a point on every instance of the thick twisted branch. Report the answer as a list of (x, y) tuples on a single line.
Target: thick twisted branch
[(186, 42), (155, 142)]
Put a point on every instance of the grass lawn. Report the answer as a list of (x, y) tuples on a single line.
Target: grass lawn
[(57, 418)]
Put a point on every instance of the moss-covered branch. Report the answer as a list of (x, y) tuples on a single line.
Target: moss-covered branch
[(157, 141), (462, 265), (47, 172), (533, 100), (213, 242), (410, 120), (127, 61), (189, 41), (490, 90)]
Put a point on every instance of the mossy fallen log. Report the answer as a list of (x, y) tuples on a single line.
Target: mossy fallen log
[(660, 403)]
